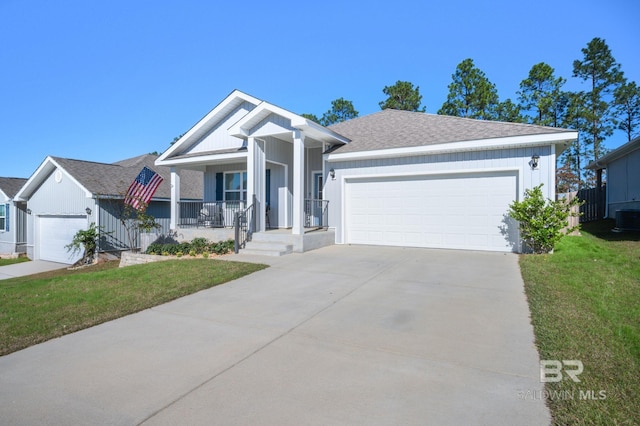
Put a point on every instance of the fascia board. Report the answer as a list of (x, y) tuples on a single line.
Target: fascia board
[(211, 115), (474, 145), (211, 158), (39, 176)]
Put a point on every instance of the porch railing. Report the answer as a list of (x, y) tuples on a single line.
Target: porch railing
[(209, 214), (244, 224), (316, 213)]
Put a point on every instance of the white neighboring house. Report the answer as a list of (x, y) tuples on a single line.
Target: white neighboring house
[(65, 195), (390, 178), (623, 177), (12, 215)]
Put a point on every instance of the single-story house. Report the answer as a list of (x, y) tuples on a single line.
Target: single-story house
[(390, 178), (623, 177), (12, 240), (64, 196)]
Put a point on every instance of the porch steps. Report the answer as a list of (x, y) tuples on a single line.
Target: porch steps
[(267, 248)]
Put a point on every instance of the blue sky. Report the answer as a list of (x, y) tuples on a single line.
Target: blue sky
[(103, 81)]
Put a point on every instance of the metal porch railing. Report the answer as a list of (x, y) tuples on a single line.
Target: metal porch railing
[(316, 213), (245, 225), (209, 214)]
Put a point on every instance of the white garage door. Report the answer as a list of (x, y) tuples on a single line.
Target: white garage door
[(55, 232), (463, 211)]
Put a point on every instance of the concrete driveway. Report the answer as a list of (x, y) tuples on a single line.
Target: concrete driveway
[(29, 268), (337, 336)]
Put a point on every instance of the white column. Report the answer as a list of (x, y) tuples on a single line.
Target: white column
[(298, 183), (260, 182), (251, 167), (175, 198)]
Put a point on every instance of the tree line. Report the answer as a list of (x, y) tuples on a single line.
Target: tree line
[(610, 103)]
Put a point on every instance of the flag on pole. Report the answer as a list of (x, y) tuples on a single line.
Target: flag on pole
[(142, 189)]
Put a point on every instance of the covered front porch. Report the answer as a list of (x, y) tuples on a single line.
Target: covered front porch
[(263, 167)]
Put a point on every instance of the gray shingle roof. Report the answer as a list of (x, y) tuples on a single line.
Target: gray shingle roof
[(392, 128), (11, 186), (114, 179)]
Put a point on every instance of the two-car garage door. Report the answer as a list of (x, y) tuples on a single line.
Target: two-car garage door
[(55, 232), (460, 211)]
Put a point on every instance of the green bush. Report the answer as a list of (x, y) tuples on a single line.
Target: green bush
[(195, 247), (542, 222)]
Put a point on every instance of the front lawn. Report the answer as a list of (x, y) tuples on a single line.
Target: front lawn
[(40, 307), (5, 262), (585, 306)]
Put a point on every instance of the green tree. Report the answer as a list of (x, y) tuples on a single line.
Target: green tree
[(311, 117), (471, 94), (627, 108), (403, 96), (341, 110), (599, 68), (540, 95), (542, 222), (575, 117), (510, 112)]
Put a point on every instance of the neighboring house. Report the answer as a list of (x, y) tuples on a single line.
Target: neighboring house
[(623, 177), (12, 214), (389, 178), (64, 196)]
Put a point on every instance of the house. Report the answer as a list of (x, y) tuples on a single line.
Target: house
[(64, 196), (390, 178), (12, 240), (623, 177)]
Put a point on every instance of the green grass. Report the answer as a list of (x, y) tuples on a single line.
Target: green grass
[(585, 305), (40, 307), (5, 262)]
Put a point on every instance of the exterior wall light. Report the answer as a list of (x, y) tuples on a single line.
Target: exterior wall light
[(88, 210), (28, 211), (534, 161), (332, 173)]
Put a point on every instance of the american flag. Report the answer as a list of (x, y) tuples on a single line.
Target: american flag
[(143, 188)]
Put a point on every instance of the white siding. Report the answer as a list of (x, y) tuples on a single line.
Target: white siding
[(273, 124), (503, 159), (623, 183), (218, 137)]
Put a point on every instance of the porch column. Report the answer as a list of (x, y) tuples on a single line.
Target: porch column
[(255, 179), (298, 183), (175, 198)]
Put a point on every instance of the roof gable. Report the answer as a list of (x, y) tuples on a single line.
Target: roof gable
[(211, 131), (391, 128), (113, 180)]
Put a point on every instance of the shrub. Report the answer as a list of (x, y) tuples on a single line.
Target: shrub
[(193, 248), (542, 223)]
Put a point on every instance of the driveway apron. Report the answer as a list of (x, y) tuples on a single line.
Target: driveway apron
[(342, 335)]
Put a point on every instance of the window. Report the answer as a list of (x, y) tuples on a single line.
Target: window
[(235, 186), (3, 217)]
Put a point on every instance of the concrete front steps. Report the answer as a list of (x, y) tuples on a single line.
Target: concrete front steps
[(281, 242)]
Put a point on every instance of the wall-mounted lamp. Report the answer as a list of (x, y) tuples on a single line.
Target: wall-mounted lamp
[(534, 161), (88, 210), (28, 211), (332, 173)]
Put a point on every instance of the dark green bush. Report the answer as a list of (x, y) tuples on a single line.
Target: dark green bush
[(197, 245)]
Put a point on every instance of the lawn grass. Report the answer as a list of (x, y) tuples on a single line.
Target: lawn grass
[(585, 305), (40, 307), (5, 262)]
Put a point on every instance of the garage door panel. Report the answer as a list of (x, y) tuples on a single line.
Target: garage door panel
[(462, 211), (56, 232)]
